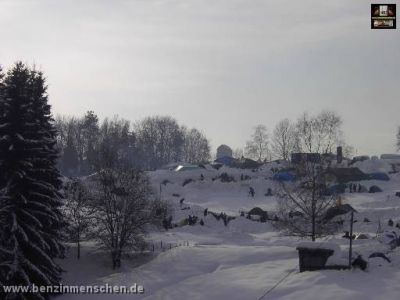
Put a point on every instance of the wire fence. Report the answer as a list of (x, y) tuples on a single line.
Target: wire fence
[(162, 246)]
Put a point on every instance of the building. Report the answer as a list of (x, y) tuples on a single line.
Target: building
[(224, 151), (300, 158)]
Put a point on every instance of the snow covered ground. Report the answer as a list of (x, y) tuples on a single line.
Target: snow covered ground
[(245, 259)]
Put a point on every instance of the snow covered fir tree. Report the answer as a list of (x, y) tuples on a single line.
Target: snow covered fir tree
[(30, 217)]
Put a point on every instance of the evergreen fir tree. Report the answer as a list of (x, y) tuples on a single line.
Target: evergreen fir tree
[(30, 200)]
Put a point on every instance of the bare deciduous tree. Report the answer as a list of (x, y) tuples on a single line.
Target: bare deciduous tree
[(77, 211), (196, 147), (257, 147), (238, 153), (398, 139), (319, 134), (160, 139), (284, 139), (124, 207), (303, 204)]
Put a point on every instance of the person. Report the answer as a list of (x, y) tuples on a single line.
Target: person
[(252, 192)]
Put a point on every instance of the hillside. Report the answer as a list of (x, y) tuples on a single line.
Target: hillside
[(245, 258)]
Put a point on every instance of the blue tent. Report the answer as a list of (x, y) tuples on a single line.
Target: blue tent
[(284, 176), (379, 176)]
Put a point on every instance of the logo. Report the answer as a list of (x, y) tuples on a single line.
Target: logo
[(383, 16)]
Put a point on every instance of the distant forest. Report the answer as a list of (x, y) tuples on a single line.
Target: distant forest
[(88, 144)]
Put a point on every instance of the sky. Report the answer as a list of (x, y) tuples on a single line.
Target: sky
[(222, 66)]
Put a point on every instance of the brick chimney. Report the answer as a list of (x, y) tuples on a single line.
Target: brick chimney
[(339, 154)]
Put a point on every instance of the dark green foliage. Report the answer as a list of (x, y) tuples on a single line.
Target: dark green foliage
[(30, 217)]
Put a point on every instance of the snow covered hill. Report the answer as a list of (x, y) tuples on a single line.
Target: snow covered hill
[(245, 259)]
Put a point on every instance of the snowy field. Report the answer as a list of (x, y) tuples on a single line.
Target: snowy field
[(245, 259)]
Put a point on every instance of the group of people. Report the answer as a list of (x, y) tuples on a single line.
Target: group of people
[(354, 187)]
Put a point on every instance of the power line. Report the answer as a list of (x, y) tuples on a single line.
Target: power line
[(278, 283)]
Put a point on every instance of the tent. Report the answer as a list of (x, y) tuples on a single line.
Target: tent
[(284, 176), (375, 189), (379, 176)]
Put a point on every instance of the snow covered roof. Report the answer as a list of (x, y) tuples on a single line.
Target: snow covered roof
[(348, 174), (186, 167), (318, 245)]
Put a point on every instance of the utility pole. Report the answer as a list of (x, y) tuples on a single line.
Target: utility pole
[(351, 238)]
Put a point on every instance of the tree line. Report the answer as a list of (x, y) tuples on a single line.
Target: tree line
[(86, 144), (319, 133)]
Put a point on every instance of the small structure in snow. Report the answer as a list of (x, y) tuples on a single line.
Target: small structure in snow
[(375, 189), (362, 236), (186, 167), (338, 210), (257, 213), (314, 256)]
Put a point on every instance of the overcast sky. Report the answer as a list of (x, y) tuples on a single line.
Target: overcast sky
[(222, 66)]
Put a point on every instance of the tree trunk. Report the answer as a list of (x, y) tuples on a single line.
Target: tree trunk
[(79, 249), (114, 259), (313, 228)]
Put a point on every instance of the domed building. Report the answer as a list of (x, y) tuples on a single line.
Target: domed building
[(224, 151)]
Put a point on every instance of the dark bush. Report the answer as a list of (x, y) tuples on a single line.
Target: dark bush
[(244, 177), (192, 220), (167, 223), (187, 181), (165, 182), (224, 177)]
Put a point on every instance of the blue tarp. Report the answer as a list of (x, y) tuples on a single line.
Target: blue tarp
[(379, 176), (226, 160), (337, 189), (284, 176)]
